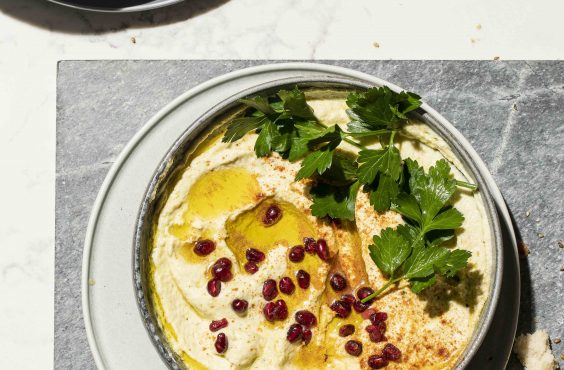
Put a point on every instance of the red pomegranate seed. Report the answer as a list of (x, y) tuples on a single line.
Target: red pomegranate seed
[(306, 336), (341, 308), (272, 215), (364, 292), (322, 249), (294, 333), (346, 330), (378, 317), (310, 245), (391, 352), (269, 291), (221, 269), (305, 318), (296, 254), (360, 307), (366, 314), (349, 298), (353, 348), (286, 285), (254, 255), (269, 311), (338, 282), (221, 343), (251, 267), (377, 362), (280, 310), (216, 325), (204, 247), (303, 279), (380, 326), (214, 287), (239, 305), (222, 262), (376, 336)]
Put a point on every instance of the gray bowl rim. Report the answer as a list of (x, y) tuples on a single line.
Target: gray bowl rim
[(129, 9), (176, 155)]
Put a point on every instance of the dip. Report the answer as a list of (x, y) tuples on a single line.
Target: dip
[(222, 198)]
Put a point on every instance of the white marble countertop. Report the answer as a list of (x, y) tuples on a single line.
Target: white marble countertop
[(35, 35)]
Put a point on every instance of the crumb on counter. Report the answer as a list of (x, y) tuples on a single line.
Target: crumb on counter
[(522, 248), (376, 44), (533, 351)]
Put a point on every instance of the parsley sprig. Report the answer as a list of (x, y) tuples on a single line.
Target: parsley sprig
[(285, 124), (413, 251)]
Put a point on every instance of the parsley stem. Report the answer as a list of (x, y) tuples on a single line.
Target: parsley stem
[(391, 142), (464, 184), (381, 290), (352, 142)]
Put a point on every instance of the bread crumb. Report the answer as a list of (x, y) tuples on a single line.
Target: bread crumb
[(522, 248), (133, 40), (556, 340), (473, 40), (496, 58), (534, 352), (540, 235), (560, 244), (478, 26), (376, 44)]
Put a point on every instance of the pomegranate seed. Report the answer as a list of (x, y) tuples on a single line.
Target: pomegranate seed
[(391, 352), (222, 262), (269, 311), (376, 331), (379, 326), (353, 348), (280, 310), (303, 279), (366, 314), (221, 343), (254, 255), (322, 249), (310, 245), (251, 267), (346, 330), (204, 247), (239, 305), (272, 215), (378, 317), (215, 325), (341, 308), (376, 336), (214, 287), (223, 274), (305, 318), (221, 269), (338, 282), (296, 254), (294, 333), (349, 298), (306, 336), (286, 285), (377, 362), (364, 292), (360, 307), (269, 291)]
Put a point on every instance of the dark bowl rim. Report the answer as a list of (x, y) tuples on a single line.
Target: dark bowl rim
[(195, 129)]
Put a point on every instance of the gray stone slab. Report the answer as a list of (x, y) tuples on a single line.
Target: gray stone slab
[(511, 112)]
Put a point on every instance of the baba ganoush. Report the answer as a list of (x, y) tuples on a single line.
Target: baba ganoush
[(239, 218)]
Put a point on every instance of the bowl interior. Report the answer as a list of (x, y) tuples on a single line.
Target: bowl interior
[(175, 161)]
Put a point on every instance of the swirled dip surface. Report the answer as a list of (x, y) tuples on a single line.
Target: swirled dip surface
[(221, 196)]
